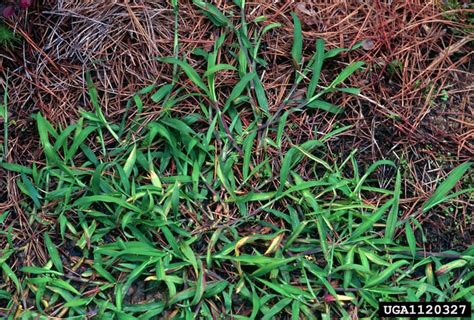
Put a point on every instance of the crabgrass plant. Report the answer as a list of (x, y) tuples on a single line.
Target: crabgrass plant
[(175, 217), (7, 37)]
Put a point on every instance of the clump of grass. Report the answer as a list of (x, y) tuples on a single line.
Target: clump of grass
[(192, 215), (7, 37)]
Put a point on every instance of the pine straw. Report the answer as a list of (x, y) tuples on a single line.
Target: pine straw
[(399, 115)]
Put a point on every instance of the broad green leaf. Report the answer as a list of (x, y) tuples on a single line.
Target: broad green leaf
[(189, 255), (77, 302), (37, 270), (285, 290), (4, 216), (78, 140), (271, 266), (138, 103), (349, 260), (147, 89), (200, 285), (64, 285), (178, 124), (30, 190)]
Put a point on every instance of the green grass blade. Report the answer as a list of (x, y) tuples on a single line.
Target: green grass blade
[(410, 238), (276, 309), (86, 201), (370, 221), (214, 14), (384, 275), (450, 266), (441, 191), (30, 190), (297, 49), (324, 105), (190, 72), (217, 68), (53, 253), (393, 214), (247, 148), (130, 163), (261, 95), (239, 88), (10, 274), (161, 93), (346, 72), (289, 161), (316, 68), (94, 98)]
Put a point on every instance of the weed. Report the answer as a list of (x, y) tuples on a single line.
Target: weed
[(196, 215), (7, 37)]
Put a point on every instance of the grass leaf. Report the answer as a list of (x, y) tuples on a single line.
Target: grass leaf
[(297, 49), (389, 271), (161, 93), (53, 253), (441, 191), (239, 88), (130, 163), (346, 72), (370, 221), (190, 72), (217, 68), (316, 68), (393, 214), (326, 106)]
